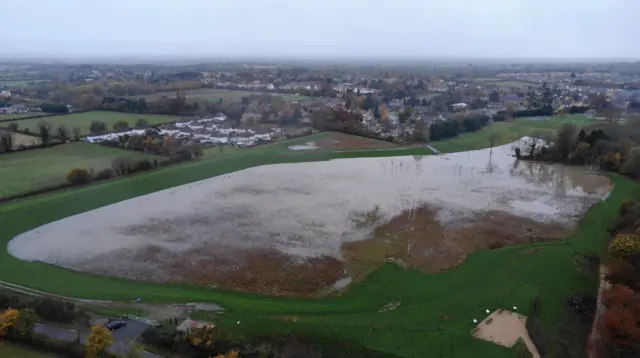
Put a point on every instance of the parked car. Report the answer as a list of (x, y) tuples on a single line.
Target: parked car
[(113, 325)]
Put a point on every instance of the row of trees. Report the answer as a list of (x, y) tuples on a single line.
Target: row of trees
[(619, 325), (47, 135), (610, 153), (19, 325)]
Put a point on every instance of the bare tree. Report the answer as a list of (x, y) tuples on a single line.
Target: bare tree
[(45, 132), (63, 133), (76, 133), (566, 140), (6, 141), (493, 139)]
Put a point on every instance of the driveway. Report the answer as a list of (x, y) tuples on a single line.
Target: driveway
[(121, 337)]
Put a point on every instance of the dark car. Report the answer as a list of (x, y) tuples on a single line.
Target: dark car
[(113, 325)]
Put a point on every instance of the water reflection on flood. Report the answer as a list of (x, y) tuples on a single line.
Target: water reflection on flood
[(307, 209)]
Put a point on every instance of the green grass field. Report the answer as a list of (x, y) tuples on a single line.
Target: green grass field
[(213, 95), (509, 132), (83, 120), (33, 169), (19, 115), (435, 312), (12, 350)]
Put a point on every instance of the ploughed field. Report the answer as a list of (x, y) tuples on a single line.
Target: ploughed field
[(309, 228)]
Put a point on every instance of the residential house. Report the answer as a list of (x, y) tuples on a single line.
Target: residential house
[(250, 118), (396, 104), (458, 107)]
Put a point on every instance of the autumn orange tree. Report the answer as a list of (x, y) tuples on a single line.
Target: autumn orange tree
[(203, 337), (231, 354), (17, 322), (624, 245), (8, 321), (619, 326), (99, 339)]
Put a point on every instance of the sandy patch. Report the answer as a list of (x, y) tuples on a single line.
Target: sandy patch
[(301, 228), (505, 328)]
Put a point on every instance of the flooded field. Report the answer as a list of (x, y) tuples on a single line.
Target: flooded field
[(304, 228)]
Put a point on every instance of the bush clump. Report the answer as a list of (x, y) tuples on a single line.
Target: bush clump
[(104, 174), (143, 165), (78, 176)]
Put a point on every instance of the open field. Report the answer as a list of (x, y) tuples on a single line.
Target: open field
[(13, 350), (275, 216), (83, 120), (26, 140), (340, 141), (431, 314), (4, 117), (509, 132), (213, 95), (39, 168)]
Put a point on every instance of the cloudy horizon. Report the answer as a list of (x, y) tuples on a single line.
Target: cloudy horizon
[(321, 29)]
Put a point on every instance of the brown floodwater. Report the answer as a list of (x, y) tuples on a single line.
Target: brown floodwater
[(227, 229)]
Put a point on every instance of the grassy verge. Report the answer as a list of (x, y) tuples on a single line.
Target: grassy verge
[(435, 314)]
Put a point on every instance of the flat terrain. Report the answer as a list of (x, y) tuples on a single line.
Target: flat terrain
[(510, 131), (4, 117), (34, 169), (83, 120), (395, 309), (340, 141), (13, 350), (300, 216), (26, 140), (213, 95)]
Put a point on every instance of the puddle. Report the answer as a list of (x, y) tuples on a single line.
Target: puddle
[(306, 146)]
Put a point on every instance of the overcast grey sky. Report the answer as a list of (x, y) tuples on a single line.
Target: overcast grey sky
[(326, 28)]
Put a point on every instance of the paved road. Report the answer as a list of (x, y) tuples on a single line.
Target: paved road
[(121, 337)]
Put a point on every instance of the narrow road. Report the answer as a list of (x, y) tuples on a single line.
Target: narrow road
[(594, 336), (122, 337)]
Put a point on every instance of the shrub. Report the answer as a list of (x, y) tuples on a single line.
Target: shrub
[(624, 245), (97, 127), (143, 164), (104, 174), (78, 176), (162, 338), (141, 123), (122, 165), (120, 126), (99, 339), (13, 127)]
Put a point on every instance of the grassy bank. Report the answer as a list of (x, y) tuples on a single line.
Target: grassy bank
[(435, 312)]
